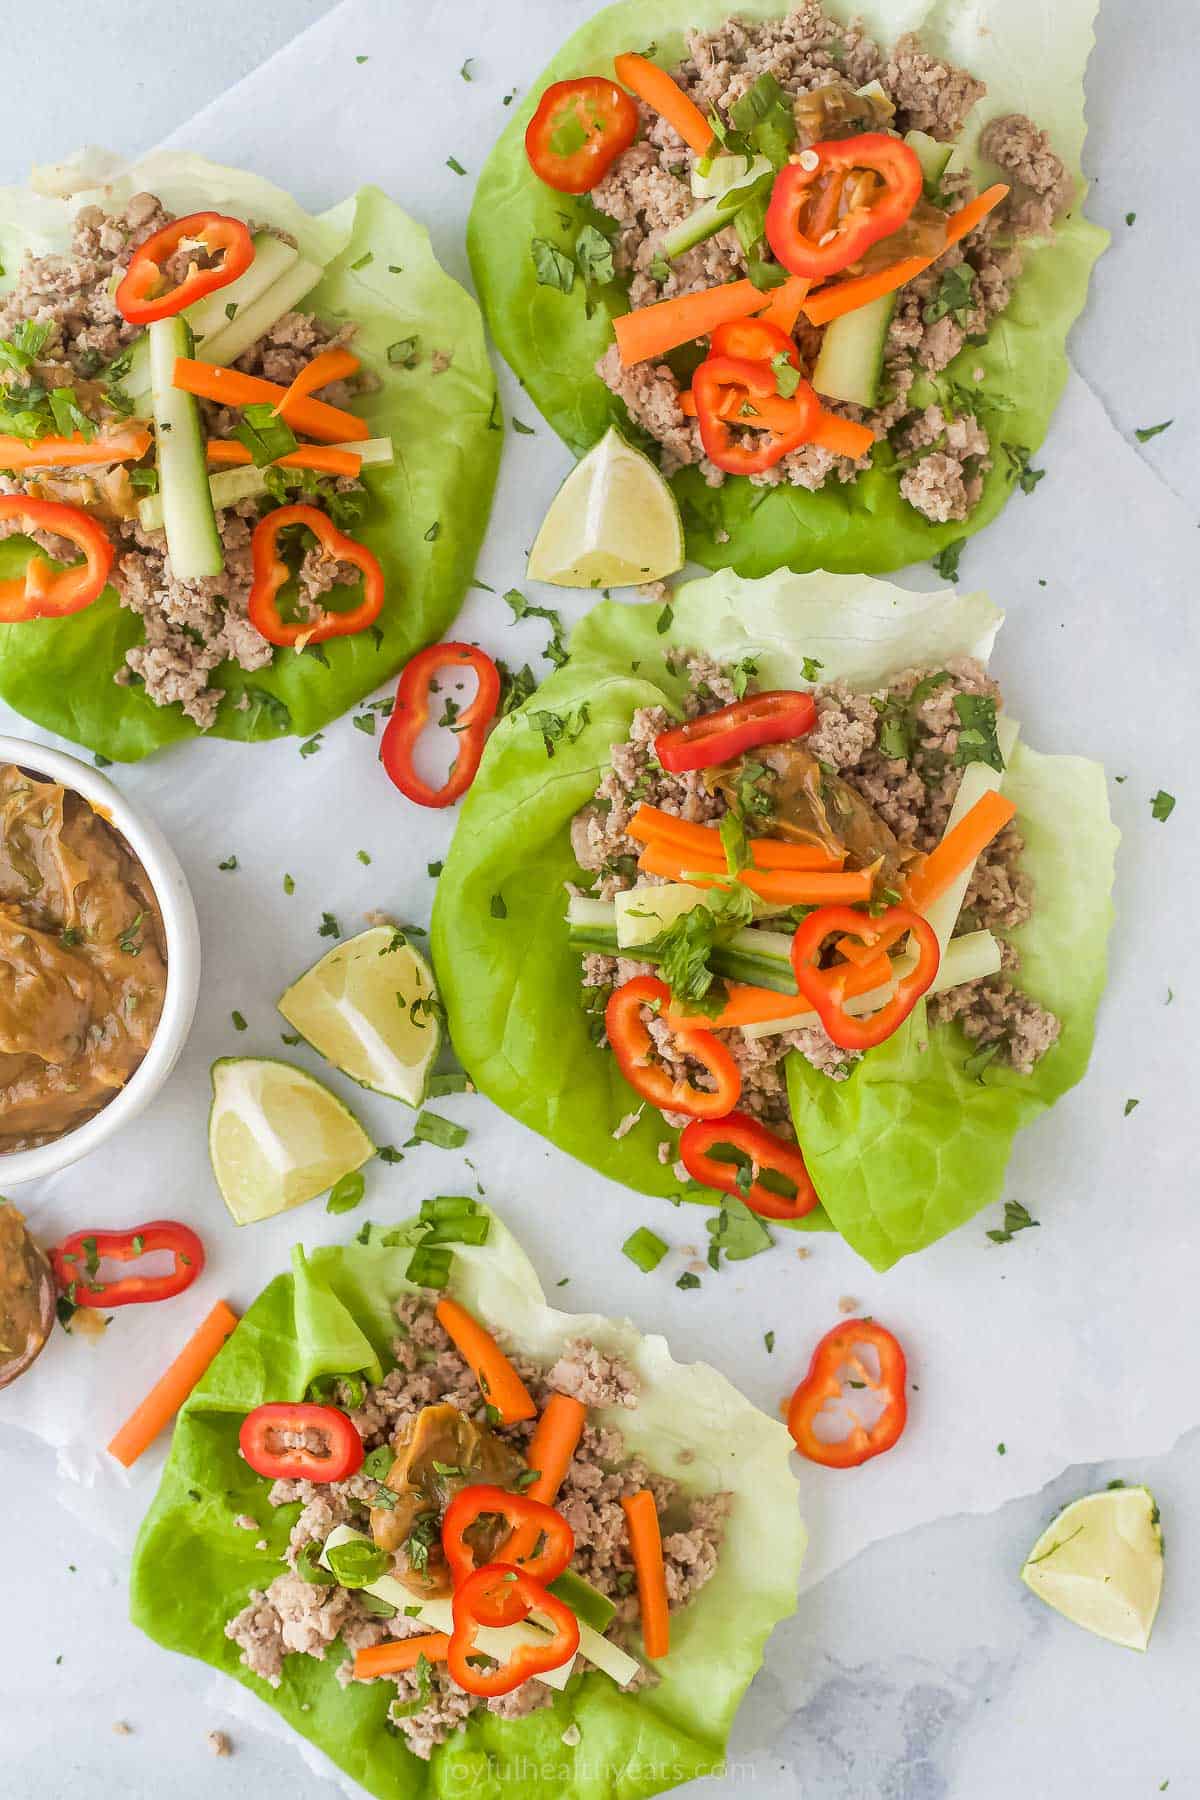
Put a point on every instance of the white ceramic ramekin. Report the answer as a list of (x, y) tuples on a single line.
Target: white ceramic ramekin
[(183, 960)]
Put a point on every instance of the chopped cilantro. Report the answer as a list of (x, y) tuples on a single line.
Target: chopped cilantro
[(946, 560), (769, 1341), (688, 1280), (453, 163), (1144, 433), (1129, 1106), (497, 907), (553, 267), (239, 1023), (1016, 1218), (329, 926), (231, 862), (1162, 805), (347, 1193)]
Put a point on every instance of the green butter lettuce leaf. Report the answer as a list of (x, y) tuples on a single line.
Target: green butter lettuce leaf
[(427, 512), (931, 1144), (1032, 58), (194, 1567)]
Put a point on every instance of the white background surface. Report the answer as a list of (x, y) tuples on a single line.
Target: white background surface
[(921, 1668)]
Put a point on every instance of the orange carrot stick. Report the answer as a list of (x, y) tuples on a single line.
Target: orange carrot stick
[(845, 437), (327, 459), (748, 1005), (657, 89), (960, 846), (229, 387), (393, 1658), (168, 1395), (645, 1542), (650, 825), (551, 1448), (653, 330), (787, 887), (127, 444), (839, 297), (553, 1444), (333, 364), (786, 301), (499, 1382)]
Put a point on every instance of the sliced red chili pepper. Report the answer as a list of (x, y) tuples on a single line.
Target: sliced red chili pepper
[(289, 1440), (578, 131), (141, 298), (835, 1352), (768, 1152), (633, 1046), (44, 592), (755, 339), (717, 737), (474, 1597), (827, 988), (838, 199), (552, 1539), (410, 715), (77, 1259), (271, 573), (733, 392)]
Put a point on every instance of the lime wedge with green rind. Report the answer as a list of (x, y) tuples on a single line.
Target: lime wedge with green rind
[(277, 1137), (369, 1007), (614, 522), (1100, 1564)]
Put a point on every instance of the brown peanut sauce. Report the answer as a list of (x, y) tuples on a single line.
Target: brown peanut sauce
[(83, 969)]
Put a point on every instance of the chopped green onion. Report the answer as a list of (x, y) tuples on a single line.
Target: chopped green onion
[(430, 1268), (645, 1249), (431, 1128)]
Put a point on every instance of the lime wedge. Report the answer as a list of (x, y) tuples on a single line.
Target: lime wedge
[(276, 1137), (1100, 1564), (612, 523), (368, 1008)]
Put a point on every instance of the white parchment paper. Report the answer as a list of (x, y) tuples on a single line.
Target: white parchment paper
[(1075, 1341)]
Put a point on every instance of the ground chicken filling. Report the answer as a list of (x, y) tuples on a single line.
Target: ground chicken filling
[(909, 796), (943, 448), (297, 1617), (190, 627)]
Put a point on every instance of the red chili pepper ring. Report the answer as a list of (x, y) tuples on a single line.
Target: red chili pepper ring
[(44, 592), (769, 1153), (836, 1351), (300, 1441), (140, 297), (76, 1262), (271, 574), (551, 1536), (410, 715)]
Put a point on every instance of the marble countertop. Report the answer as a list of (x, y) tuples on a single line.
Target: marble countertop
[(925, 1669)]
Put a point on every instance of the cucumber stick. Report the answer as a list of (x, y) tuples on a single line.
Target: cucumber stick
[(246, 482), (849, 364), (935, 158), (210, 316), (256, 317), (193, 541)]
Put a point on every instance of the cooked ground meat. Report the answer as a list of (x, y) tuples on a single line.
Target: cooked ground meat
[(912, 794), (647, 191), (190, 627), (295, 1617)]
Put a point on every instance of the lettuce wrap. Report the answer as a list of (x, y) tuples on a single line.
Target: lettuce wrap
[(426, 514), (1032, 59), (912, 1144), (194, 1566)]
